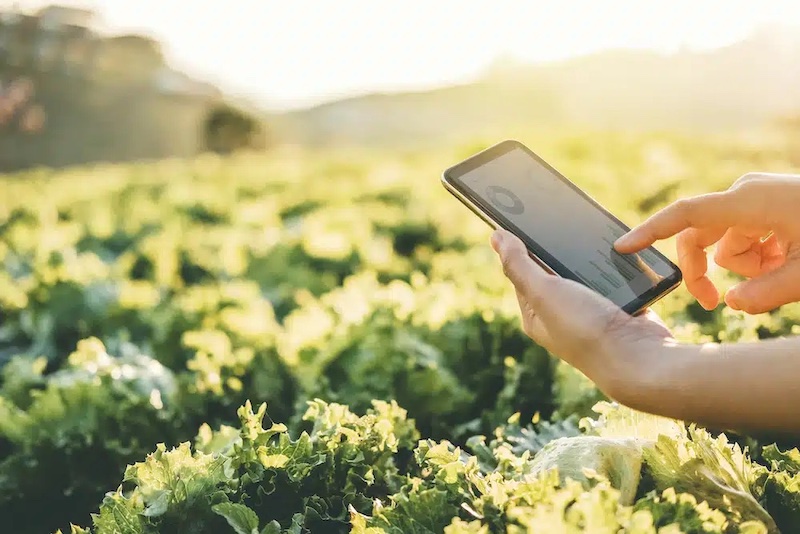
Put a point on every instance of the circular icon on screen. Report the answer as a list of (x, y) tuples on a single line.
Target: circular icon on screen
[(505, 200)]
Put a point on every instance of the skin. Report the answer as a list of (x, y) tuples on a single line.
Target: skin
[(752, 387)]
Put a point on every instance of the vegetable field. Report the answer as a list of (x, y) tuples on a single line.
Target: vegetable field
[(322, 342)]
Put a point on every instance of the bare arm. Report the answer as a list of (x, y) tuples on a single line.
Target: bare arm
[(743, 386)]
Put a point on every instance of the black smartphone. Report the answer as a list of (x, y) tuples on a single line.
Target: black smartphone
[(566, 231)]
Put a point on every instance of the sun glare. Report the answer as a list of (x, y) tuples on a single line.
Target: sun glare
[(296, 53)]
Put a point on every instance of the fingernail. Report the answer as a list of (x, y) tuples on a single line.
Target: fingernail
[(497, 239), (622, 241)]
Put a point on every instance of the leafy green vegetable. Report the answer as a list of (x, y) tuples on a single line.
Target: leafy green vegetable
[(64, 443), (337, 287), (241, 518)]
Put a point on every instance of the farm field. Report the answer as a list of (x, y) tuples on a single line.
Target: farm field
[(319, 341)]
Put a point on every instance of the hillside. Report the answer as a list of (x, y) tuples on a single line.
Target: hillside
[(744, 85)]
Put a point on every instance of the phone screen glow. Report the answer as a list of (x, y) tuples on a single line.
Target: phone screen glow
[(562, 222)]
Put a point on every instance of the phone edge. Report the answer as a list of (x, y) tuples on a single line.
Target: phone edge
[(494, 224), (487, 218)]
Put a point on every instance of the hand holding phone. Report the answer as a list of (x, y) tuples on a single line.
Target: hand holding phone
[(564, 230), (579, 325)]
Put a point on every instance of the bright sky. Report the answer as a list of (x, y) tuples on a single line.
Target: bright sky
[(298, 52)]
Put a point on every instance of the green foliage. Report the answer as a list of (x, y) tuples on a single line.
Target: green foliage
[(264, 476), (64, 441), (337, 288), (455, 492), (228, 129), (780, 486)]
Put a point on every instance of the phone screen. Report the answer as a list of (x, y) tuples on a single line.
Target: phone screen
[(560, 223)]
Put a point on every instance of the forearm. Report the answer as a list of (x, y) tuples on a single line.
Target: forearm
[(746, 386)]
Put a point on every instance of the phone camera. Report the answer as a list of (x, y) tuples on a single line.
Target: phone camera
[(505, 200)]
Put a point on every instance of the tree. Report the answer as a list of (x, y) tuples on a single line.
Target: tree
[(228, 129)]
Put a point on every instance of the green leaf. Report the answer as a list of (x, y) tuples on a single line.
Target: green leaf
[(240, 517), (297, 524), (358, 523), (159, 505), (118, 514), (427, 511), (75, 529), (534, 437), (615, 459), (459, 526), (684, 510), (788, 461), (782, 499), (711, 470), (176, 470), (273, 527)]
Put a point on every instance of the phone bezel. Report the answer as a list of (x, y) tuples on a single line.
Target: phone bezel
[(452, 182)]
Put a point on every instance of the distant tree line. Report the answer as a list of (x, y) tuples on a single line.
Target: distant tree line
[(70, 96)]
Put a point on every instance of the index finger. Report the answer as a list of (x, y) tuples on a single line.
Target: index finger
[(712, 210)]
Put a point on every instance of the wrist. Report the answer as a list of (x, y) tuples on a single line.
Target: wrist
[(642, 375)]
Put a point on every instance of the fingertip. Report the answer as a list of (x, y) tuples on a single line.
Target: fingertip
[(705, 292), (622, 240), (708, 301), (732, 302), (628, 243), (750, 307), (738, 299), (496, 240), (504, 241)]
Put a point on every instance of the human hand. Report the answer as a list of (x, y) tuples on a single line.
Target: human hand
[(756, 227), (578, 324)]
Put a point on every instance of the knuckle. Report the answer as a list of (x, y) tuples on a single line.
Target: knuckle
[(684, 205), (747, 178), (749, 186), (682, 209), (684, 239)]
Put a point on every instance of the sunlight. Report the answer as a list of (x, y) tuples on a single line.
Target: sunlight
[(289, 54)]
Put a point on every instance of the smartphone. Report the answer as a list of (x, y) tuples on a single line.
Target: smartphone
[(565, 231)]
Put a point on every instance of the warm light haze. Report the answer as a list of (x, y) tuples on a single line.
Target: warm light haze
[(247, 282), (289, 54)]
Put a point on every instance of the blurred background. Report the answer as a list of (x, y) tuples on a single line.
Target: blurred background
[(84, 81), (206, 202)]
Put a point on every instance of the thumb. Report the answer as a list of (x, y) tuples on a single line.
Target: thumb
[(768, 291), (517, 265)]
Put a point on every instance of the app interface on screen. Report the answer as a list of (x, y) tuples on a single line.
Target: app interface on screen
[(565, 225)]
